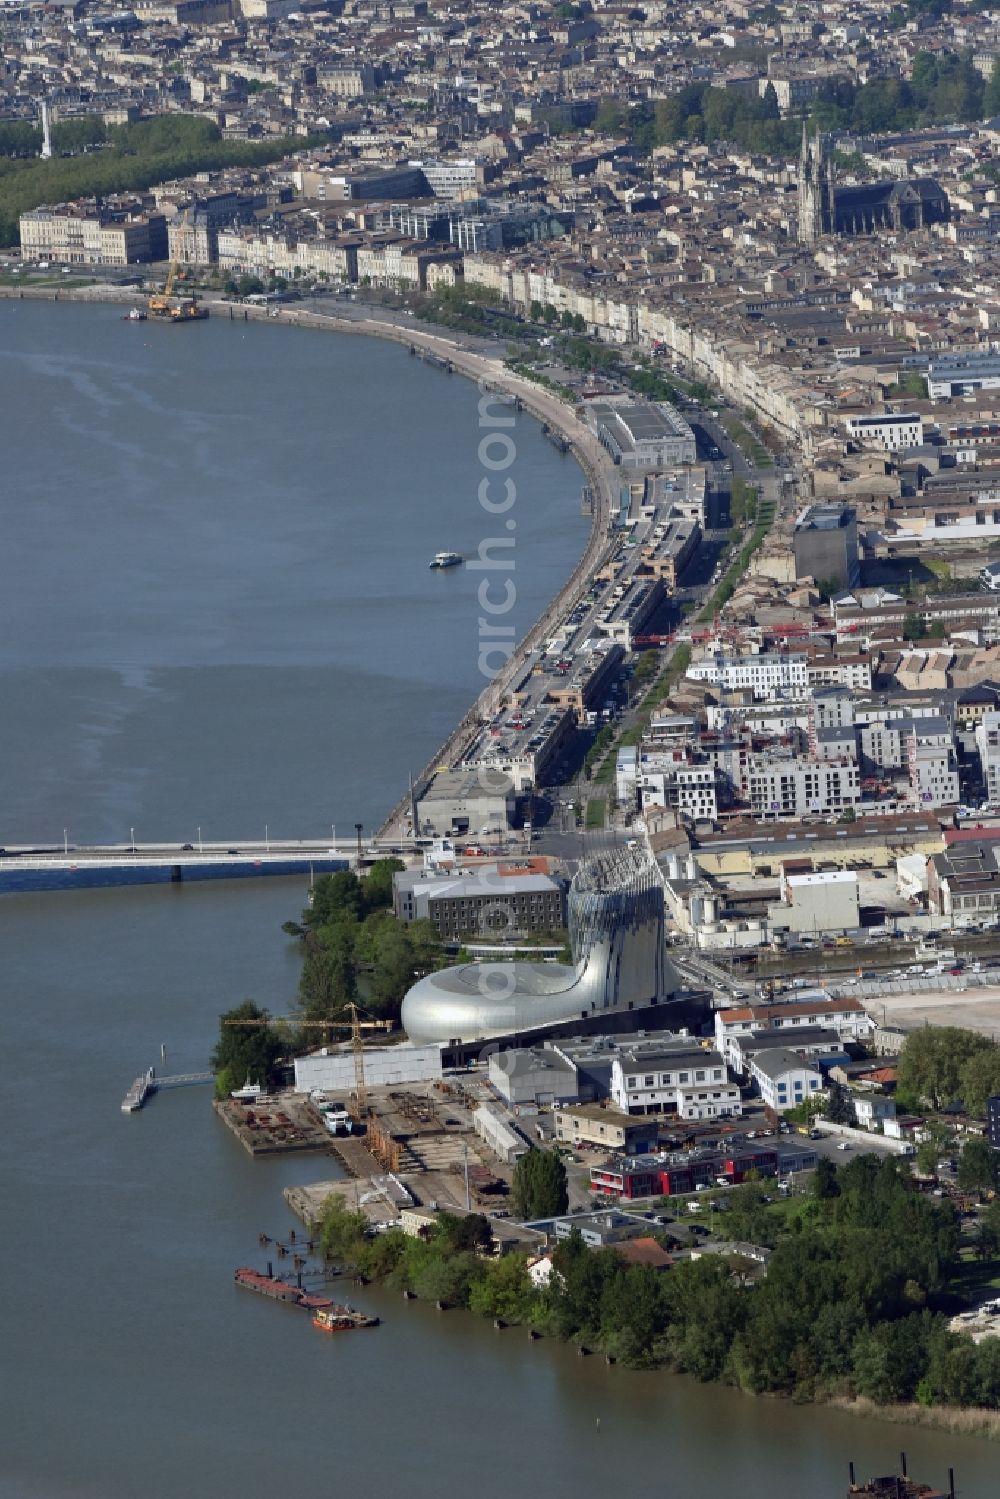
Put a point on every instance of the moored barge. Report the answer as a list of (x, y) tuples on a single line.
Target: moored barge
[(280, 1290)]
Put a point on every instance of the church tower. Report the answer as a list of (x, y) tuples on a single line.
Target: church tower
[(816, 189)]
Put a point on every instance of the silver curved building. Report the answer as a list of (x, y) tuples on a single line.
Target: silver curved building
[(616, 937)]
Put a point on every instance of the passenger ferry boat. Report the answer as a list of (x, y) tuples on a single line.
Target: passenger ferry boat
[(446, 559)]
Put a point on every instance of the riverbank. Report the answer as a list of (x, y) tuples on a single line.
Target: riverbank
[(958, 1420), (815, 1328), (492, 378)]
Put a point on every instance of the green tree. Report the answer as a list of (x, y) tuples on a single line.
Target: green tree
[(838, 1109), (328, 981), (245, 1052), (539, 1188), (978, 1166), (824, 1182), (504, 1291), (991, 94), (333, 896), (470, 1232), (980, 1080), (610, 117), (986, 1240), (378, 883), (932, 1062), (341, 1232)]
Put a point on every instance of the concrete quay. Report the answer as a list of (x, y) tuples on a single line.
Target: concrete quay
[(274, 1126)]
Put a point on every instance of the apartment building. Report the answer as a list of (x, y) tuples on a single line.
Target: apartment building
[(668, 782), (787, 1019), (770, 674), (893, 432), (931, 762), (796, 788), (88, 234), (988, 747), (783, 1078)]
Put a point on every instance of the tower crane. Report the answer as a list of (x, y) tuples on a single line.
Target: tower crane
[(355, 1025)]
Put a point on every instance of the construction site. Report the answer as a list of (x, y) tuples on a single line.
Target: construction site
[(418, 1148)]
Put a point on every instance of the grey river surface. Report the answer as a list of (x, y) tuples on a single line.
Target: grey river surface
[(217, 611)]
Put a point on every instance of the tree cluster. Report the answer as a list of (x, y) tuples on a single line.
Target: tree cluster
[(847, 1304), (245, 1053), (352, 944), (941, 1064), (944, 88)]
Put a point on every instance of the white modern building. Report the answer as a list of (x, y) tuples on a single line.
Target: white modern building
[(787, 1018), (690, 789), (332, 1070), (894, 432), (988, 745), (767, 675), (932, 764)]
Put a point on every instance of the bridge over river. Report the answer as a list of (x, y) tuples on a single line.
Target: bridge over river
[(24, 869)]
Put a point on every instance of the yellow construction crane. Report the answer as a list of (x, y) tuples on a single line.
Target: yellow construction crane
[(355, 1025), (161, 303)]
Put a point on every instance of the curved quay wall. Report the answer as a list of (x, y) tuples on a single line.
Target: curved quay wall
[(491, 376)]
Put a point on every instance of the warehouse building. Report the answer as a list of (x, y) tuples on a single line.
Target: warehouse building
[(500, 1134), (460, 802), (642, 434)]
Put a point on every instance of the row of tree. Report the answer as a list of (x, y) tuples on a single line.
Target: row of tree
[(944, 88), (19, 138)]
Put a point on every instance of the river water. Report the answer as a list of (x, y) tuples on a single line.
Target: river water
[(217, 612)]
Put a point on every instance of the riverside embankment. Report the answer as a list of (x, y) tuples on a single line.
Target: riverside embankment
[(492, 377)]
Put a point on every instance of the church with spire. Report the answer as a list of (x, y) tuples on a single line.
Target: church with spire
[(825, 208)]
